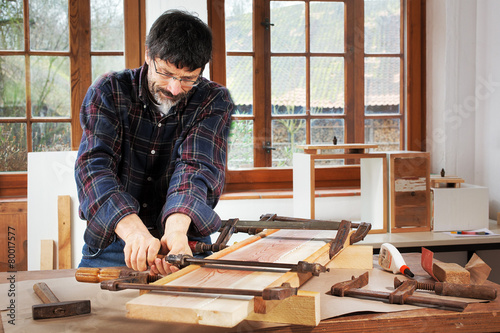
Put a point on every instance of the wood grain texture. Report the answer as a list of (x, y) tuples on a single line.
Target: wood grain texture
[(288, 246), (47, 258), (450, 272), (13, 235), (64, 232), (303, 309), (409, 202)]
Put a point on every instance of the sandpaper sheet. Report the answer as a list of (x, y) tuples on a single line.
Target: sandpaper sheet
[(109, 313)]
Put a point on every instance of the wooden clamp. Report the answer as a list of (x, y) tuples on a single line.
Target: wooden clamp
[(402, 295), (454, 289)]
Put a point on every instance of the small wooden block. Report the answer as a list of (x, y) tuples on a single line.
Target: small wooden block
[(47, 258), (451, 272), (303, 309), (498, 218)]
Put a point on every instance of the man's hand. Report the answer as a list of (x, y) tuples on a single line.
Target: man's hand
[(174, 241), (141, 248)]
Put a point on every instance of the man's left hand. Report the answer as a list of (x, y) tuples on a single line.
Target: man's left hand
[(174, 241)]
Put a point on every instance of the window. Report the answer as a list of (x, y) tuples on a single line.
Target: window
[(48, 59), (304, 72)]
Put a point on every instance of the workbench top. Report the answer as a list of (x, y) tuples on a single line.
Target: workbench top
[(415, 240), (108, 310)]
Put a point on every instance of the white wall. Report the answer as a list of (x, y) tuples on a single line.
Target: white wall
[(155, 8), (463, 90)]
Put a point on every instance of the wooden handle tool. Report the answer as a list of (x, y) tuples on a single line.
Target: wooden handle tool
[(53, 308)]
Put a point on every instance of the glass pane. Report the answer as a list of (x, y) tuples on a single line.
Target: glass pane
[(327, 27), (12, 87), (104, 64), (384, 132), (327, 85), (106, 22), (288, 85), (240, 82), (240, 144), (287, 134), (50, 87), (12, 26), (322, 132), (13, 151), (288, 32), (49, 29), (51, 136), (382, 85), (382, 26), (238, 25)]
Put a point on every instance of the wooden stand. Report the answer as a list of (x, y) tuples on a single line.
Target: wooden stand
[(447, 181), (373, 181)]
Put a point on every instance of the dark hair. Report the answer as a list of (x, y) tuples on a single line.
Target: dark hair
[(181, 39)]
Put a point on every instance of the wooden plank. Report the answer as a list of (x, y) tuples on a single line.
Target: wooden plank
[(303, 309), (354, 257), (64, 237), (227, 311), (317, 148), (47, 258)]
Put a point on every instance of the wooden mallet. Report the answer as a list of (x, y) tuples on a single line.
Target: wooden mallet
[(53, 308)]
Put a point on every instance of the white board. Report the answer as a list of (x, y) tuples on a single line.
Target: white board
[(51, 174)]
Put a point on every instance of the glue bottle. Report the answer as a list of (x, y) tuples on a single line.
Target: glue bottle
[(391, 260)]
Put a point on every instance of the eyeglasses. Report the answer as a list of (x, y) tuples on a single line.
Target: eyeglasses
[(184, 83)]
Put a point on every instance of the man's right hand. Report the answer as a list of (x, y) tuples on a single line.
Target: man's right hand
[(141, 248)]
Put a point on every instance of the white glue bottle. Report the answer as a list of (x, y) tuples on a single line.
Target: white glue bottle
[(391, 260)]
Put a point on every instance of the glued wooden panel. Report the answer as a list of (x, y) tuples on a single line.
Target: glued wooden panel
[(289, 246)]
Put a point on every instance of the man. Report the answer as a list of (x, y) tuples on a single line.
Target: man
[(151, 163)]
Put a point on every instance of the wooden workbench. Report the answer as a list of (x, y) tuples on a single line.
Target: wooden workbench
[(478, 317)]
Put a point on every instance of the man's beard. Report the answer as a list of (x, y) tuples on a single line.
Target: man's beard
[(165, 104), (164, 98)]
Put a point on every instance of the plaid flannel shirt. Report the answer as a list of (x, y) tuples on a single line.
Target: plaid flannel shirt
[(135, 160)]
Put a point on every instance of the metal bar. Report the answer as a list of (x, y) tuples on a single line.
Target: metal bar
[(181, 260), (286, 224), (274, 293), (415, 300)]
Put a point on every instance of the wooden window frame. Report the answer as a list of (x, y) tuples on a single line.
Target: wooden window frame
[(413, 90), (14, 184)]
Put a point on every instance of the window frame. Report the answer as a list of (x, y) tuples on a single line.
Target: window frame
[(14, 184), (412, 94)]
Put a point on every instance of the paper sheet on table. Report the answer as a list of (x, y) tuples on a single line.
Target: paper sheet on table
[(485, 230)]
